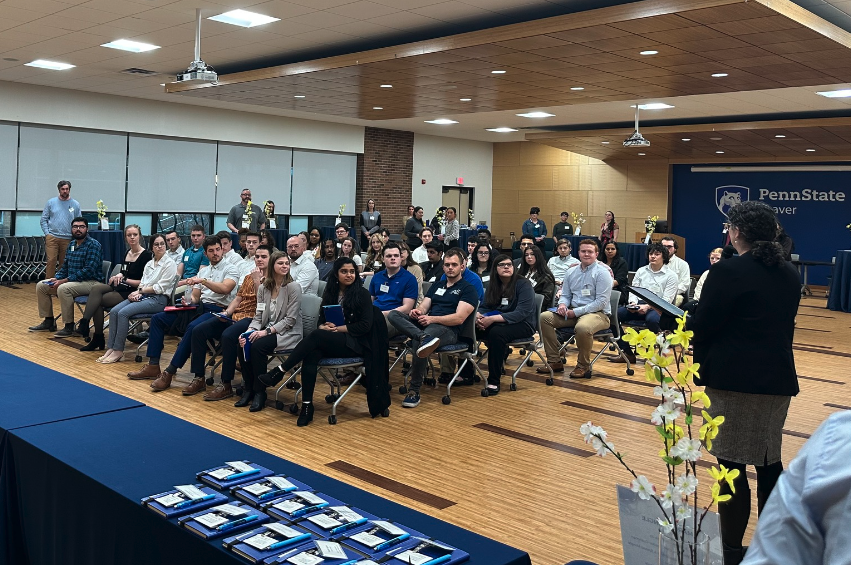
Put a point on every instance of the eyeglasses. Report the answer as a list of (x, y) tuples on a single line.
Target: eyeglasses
[(505, 265), (483, 253)]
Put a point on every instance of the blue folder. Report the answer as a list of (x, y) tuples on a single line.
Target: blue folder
[(334, 521), (437, 553), (183, 509), (334, 314), (225, 483), (311, 549), (389, 541), (285, 508), (270, 491), (234, 524), (249, 544)]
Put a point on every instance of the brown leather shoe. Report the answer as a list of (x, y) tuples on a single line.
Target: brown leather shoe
[(580, 373), (221, 392), (197, 385), (348, 378), (146, 372), (163, 382), (556, 367), (620, 359)]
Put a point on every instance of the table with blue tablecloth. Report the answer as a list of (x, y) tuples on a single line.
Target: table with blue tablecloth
[(72, 492), (113, 244), (840, 283)]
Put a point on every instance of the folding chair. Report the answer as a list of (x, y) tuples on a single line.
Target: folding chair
[(310, 307), (320, 290), (529, 344), (14, 259), (610, 336), (6, 263)]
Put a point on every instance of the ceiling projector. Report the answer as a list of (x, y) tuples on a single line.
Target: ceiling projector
[(636, 140), (198, 70)]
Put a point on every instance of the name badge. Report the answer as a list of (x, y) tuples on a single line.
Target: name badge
[(186, 258), (261, 306), (339, 245), (586, 292), (245, 217), (376, 263), (245, 224), (440, 291), (271, 224), (432, 279), (505, 302), (532, 281), (371, 218), (537, 225), (72, 248), (486, 278), (384, 288)]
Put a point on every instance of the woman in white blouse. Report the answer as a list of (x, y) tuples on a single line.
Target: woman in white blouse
[(150, 297)]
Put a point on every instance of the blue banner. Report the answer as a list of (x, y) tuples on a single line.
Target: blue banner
[(812, 206)]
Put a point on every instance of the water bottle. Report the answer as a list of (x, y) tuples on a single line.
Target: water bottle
[(187, 296)]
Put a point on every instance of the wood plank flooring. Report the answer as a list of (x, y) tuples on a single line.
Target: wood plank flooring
[(513, 468)]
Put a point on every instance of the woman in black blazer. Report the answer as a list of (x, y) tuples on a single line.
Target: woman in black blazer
[(743, 330), (620, 270), (359, 337)]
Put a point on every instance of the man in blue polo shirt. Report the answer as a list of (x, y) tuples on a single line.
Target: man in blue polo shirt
[(393, 288), (438, 319), (193, 258)]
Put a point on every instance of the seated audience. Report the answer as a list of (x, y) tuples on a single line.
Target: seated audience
[(409, 265), (150, 297), (438, 320), (175, 249), (447, 362), (584, 306), (680, 268), (413, 227), (526, 242), (620, 270), (241, 233), (484, 235), (193, 258), (240, 311), (433, 268), (563, 228), (385, 234), (228, 254), (302, 268), (119, 288), (314, 242), (359, 337), (277, 324), (325, 262), (482, 261), (535, 227), (349, 250), (658, 279), (393, 288), (419, 254), (507, 313), (212, 291), (561, 261), (267, 239), (471, 251), (536, 271), (375, 255), (342, 231), (79, 273), (252, 242)]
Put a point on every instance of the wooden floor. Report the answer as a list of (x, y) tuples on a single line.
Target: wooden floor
[(513, 468)]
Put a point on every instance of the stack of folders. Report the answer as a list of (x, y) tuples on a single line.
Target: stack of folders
[(270, 540), (427, 552), (182, 500), (299, 504), (314, 552), (222, 520), (259, 492), (233, 473), (380, 537), (333, 521)]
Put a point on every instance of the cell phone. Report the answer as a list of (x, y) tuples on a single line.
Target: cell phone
[(632, 306)]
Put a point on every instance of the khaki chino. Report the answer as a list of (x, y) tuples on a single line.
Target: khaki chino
[(66, 293), (584, 327)]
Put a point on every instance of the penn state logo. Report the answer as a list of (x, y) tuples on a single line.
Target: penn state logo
[(728, 196)]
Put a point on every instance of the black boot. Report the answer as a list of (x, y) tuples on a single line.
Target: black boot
[(83, 329), (733, 555), (246, 398), (306, 415), (273, 377), (259, 402), (97, 342)]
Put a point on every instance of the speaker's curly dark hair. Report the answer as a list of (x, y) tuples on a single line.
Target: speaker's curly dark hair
[(757, 225)]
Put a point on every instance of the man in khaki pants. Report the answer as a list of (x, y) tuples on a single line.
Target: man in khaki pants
[(584, 305), (82, 269), (56, 225)]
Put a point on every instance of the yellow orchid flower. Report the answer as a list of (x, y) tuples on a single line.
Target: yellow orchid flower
[(663, 360), (688, 372), (725, 474), (644, 352), (717, 496), (681, 338), (709, 430), (700, 396), (650, 373), (631, 336), (681, 322)]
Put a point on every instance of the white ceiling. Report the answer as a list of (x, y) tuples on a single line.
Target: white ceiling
[(71, 31)]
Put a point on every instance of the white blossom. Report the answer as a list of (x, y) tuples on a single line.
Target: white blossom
[(687, 449), (687, 484), (665, 412), (589, 430), (683, 512), (670, 496), (643, 487), (601, 447), (665, 525)]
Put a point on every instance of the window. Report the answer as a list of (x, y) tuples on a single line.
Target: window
[(113, 217), (183, 223), (5, 223)]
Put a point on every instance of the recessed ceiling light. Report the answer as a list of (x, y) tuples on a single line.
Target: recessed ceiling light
[(52, 65), (810, 150), (715, 138), (642, 153), (497, 72), (299, 96), (465, 99), (162, 84), (132, 46), (780, 136), (835, 93), (649, 52), (719, 75), (653, 106), (720, 152), (386, 86), (535, 115), (686, 139), (577, 88), (501, 130), (605, 142), (243, 18), (377, 107), (441, 121)]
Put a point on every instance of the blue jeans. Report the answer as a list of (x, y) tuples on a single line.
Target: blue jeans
[(119, 318), (161, 323)]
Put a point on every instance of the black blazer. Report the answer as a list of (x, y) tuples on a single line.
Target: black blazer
[(621, 272), (744, 325)]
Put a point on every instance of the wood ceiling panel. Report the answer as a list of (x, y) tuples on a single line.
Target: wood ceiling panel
[(759, 47)]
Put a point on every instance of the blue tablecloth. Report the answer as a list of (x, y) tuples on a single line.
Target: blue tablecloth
[(634, 253), (464, 236), (840, 284), (112, 242), (72, 493)]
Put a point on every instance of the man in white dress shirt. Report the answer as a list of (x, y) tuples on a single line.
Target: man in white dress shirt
[(680, 268), (302, 269), (173, 249)]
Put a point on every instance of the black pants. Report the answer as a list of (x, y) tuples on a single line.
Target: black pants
[(497, 337), (231, 350), (734, 513), (208, 330), (318, 345), (258, 359)]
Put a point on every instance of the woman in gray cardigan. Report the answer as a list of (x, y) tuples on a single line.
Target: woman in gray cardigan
[(370, 223), (276, 325)]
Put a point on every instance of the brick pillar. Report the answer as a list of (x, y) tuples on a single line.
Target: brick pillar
[(384, 173)]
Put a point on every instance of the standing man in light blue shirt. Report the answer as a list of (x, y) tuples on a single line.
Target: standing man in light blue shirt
[(584, 306), (56, 225)]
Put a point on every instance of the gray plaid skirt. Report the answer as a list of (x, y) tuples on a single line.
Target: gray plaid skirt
[(752, 432)]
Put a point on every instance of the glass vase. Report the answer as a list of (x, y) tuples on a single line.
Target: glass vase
[(689, 552)]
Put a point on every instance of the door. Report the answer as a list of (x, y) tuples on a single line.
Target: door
[(460, 198)]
